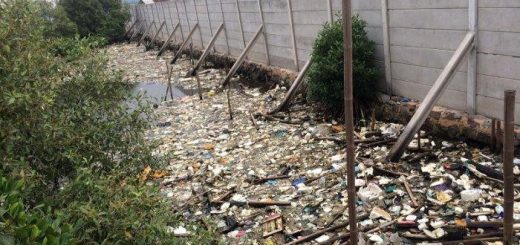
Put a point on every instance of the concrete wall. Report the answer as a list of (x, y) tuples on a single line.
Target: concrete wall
[(423, 35)]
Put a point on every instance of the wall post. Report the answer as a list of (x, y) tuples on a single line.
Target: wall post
[(386, 46), (471, 89)]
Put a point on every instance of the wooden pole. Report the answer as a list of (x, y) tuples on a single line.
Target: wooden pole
[(155, 36), (209, 21), (183, 45), (206, 52), (136, 32), (431, 98), (165, 44), (240, 59), (145, 34), (130, 29), (508, 154), (349, 119), (293, 88)]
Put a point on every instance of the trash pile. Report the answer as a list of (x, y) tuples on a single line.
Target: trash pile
[(276, 179)]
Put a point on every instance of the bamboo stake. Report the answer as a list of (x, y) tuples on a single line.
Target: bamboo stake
[(507, 155), (349, 119), (292, 91), (183, 45), (145, 34), (130, 29), (165, 44), (240, 59)]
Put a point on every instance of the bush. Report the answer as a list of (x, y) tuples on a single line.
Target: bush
[(18, 226), (325, 76), (67, 129), (104, 18)]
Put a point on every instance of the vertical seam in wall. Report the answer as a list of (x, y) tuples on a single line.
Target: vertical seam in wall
[(179, 19), (261, 12), (225, 28), (200, 29), (289, 9)]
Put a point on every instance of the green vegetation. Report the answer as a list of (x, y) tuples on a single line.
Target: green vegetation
[(71, 150), (325, 76)]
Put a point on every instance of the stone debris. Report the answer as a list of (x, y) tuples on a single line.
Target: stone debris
[(277, 179)]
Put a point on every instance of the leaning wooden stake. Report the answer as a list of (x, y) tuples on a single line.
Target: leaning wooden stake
[(210, 45), (131, 28), (349, 119), (145, 34), (183, 45), (431, 98), (293, 89), (240, 59), (155, 36), (165, 44), (136, 32), (508, 154)]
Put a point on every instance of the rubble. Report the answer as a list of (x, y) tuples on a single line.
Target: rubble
[(274, 179)]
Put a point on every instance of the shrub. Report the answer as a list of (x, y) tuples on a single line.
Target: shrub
[(66, 129), (325, 76), (104, 18), (18, 226)]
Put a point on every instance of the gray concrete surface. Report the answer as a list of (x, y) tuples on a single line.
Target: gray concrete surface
[(422, 37)]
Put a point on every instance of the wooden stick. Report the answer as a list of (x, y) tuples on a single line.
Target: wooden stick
[(431, 98), (410, 193), (165, 44), (317, 234), (253, 120), (145, 33), (294, 87), (508, 155), (210, 45), (240, 59), (199, 87), (261, 203), (183, 45)]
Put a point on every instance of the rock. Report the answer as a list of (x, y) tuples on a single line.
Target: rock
[(377, 213), (369, 193), (470, 195)]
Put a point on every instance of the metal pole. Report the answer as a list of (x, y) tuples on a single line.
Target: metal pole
[(349, 119), (508, 154)]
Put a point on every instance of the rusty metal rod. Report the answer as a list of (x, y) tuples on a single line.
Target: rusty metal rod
[(349, 118), (508, 154)]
